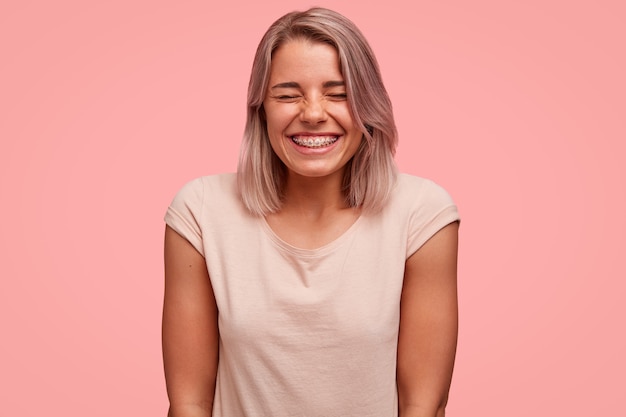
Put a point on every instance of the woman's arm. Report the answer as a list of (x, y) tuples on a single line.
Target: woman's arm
[(428, 326), (190, 333)]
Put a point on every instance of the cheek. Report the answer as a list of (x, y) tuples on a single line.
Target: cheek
[(343, 115), (275, 131), (275, 121)]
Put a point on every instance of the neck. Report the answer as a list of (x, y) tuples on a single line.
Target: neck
[(314, 196)]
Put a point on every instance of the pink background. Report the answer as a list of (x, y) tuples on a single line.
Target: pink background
[(518, 108)]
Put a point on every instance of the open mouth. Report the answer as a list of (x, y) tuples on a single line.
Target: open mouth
[(314, 141)]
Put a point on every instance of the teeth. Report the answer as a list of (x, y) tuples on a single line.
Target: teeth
[(314, 142)]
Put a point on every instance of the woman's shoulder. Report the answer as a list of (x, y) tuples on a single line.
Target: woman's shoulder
[(199, 203), (428, 207), (208, 192), (414, 189)]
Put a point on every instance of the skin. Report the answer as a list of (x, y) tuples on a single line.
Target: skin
[(306, 97), (428, 326), (190, 333)]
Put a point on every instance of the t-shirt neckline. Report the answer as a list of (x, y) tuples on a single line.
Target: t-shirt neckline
[(308, 253)]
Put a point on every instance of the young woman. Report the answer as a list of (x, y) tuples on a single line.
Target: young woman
[(316, 281)]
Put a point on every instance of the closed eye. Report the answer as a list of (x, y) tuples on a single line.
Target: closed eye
[(339, 96), (285, 97)]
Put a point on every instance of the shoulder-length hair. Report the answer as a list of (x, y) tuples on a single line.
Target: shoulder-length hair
[(371, 173)]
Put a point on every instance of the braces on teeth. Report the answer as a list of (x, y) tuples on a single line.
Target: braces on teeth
[(315, 143)]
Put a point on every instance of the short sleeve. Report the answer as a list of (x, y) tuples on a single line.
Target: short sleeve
[(432, 209), (185, 212)]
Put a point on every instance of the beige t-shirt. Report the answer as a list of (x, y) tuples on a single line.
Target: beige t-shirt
[(309, 333)]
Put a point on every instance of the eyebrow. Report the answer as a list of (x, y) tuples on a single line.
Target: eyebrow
[(292, 84)]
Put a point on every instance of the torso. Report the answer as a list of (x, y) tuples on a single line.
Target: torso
[(308, 310)]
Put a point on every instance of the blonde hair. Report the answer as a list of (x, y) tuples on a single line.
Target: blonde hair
[(370, 175)]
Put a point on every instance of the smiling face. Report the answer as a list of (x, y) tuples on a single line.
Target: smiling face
[(308, 117)]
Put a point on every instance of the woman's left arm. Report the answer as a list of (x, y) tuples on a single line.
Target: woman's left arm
[(428, 326)]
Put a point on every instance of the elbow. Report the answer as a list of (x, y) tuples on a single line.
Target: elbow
[(422, 412), (190, 410), (423, 409)]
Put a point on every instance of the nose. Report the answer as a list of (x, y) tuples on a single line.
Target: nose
[(313, 111)]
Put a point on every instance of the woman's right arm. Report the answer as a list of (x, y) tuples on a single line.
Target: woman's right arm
[(190, 333)]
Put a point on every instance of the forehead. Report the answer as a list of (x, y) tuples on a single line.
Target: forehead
[(305, 59)]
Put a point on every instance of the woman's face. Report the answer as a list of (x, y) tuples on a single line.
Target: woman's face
[(308, 118)]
